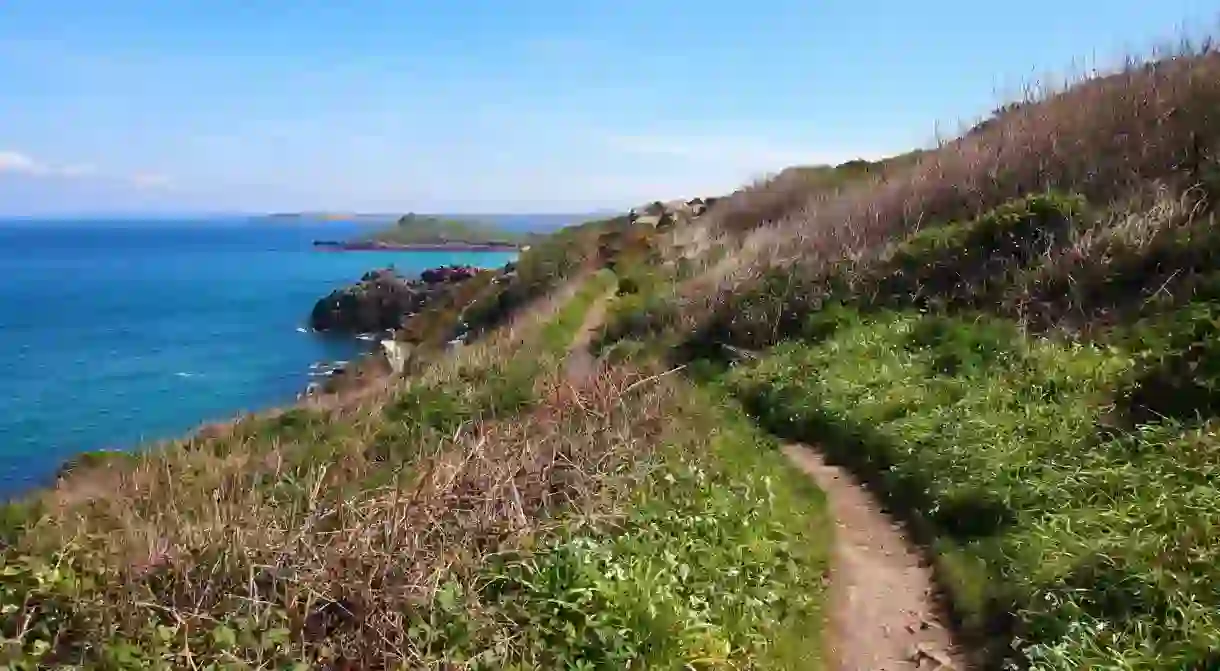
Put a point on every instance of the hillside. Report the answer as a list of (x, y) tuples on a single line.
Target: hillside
[(497, 507), (1012, 339)]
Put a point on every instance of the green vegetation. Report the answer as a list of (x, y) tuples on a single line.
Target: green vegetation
[(415, 229), (1090, 547), (1066, 481), (1013, 337), (487, 513), (486, 303)]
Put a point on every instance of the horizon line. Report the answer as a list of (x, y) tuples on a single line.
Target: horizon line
[(305, 214)]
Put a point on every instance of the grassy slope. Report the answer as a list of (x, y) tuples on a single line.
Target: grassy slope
[(1096, 550), (413, 229), (486, 302), (483, 514), (1014, 337)]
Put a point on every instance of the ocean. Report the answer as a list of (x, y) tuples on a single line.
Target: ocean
[(116, 333)]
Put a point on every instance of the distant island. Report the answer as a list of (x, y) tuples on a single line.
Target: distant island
[(419, 232), (329, 216)]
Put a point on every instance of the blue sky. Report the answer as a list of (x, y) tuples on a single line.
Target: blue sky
[(526, 106)]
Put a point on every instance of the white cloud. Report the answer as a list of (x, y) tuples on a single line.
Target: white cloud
[(17, 163)]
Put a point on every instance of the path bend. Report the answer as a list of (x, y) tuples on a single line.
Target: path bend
[(883, 607)]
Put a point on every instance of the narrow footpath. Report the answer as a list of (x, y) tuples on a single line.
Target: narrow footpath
[(883, 611), (580, 364)]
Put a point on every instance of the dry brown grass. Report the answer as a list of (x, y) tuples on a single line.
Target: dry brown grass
[(315, 534), (305, 525), (520, 331), (465, 510), (1105, 137)]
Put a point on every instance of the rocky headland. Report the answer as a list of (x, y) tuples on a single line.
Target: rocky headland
[(376, 309), (383, 299), (439, 308)]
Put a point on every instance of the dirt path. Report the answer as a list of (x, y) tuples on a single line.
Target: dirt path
[(580, 363), (883, 612)]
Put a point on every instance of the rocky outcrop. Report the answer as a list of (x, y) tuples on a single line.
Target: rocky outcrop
[(666, 214), (448, 274), (382, 299)]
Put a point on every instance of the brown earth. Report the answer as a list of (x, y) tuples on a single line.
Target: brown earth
[(883, 608), (580, 364)]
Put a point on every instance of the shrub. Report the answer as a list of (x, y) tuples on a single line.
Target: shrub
[(958, 346), (966, 266), (95, 459), (637, 316), (973, 263), (777, 305), (1139, 260), (1179, 363)]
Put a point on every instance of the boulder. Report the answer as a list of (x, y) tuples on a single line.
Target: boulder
[(446, 274), (661, 215)]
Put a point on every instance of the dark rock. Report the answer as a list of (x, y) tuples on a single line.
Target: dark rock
[(379, 274), (448, 274), (382, 299), (377, 302)]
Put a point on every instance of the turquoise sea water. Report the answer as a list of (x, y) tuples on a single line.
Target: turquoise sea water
[(114, 333)]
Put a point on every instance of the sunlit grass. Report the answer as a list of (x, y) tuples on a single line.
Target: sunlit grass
[(1085, 548)]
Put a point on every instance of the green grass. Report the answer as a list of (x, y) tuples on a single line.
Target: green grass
[(480, 306), (1078, 544), (483, 515), (558, 334), (716, 560)]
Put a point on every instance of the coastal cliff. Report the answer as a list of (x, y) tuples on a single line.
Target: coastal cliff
[(383, 299)]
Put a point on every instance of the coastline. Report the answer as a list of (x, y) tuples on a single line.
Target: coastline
[(379, 292), (154, 376), (377, 246)]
